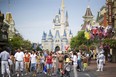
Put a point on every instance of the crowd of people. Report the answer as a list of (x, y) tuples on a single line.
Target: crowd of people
[(51, 63)]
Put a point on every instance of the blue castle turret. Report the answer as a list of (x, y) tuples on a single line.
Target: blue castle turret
[(44, 36)]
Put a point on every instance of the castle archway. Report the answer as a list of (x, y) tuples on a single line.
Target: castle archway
[(57, 48)]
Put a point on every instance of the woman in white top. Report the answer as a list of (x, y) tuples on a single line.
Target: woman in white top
[(75, 64), (33, 62)]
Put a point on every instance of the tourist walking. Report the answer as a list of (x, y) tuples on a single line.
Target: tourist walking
[(60, 61), (38, 62), (75, 64), (19, 62), (27, 61), (33, 58), (54, 63), (42, 62), (85, 64), (5, 56), (67, 67), (79, 61), (49, 64)]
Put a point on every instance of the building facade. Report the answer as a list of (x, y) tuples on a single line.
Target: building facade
[(9, 21), (60, 35), (3, 32)]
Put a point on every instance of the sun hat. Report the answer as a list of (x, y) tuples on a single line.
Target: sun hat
[(59, 51), (67, 60)]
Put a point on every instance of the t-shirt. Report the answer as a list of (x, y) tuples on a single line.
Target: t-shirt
[(26, 57), (49, 59), (79, 55), (38, 59), (75, 60), (19, 56), (33, 58), (4, 56)]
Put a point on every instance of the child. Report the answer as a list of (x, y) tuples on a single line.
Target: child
[(67, 67), (84, 63)]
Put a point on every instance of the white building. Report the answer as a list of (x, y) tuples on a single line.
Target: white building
[(59, 36)]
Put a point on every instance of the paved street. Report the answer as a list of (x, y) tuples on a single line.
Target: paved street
[(109, 71)]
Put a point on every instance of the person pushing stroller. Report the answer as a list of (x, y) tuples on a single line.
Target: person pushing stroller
[(67, 67)]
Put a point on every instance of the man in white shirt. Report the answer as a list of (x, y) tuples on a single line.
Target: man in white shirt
[(19, 58)]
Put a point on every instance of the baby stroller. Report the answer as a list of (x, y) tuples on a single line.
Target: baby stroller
[(67, 69)]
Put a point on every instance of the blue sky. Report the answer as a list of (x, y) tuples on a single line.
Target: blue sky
[(32, 17)]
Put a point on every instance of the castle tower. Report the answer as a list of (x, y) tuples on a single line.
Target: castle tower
[(88, 15), (59, 36), (62, 17), (44, 40), (64, 40), (50, 41), (66, 22), (88, 18)]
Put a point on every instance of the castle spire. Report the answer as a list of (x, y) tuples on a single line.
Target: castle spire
[(67, 14), (66, 22), (88, 12), (62, 12), (64, 33), (59, 11), (44, 36), (50, 34)]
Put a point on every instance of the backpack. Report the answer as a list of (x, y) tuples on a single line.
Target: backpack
[(60, 58)]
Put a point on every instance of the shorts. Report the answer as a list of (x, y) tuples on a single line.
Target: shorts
[(49, 66), (85, 65), (60, 65), (26, 65), (33, 66)]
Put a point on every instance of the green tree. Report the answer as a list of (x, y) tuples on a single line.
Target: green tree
[(38, 48), (78, 40), (18, 42), (26, 44)]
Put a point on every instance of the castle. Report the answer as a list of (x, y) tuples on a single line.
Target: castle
[(59, 36)]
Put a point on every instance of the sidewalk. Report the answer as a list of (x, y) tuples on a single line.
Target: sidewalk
[(109, 69)]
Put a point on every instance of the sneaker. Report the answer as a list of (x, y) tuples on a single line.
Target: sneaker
[(17, 75), (21, 74), (101, 70), (97, 70), (25, 73), (34, 75)]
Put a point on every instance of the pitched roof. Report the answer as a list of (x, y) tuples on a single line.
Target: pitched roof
[(44, 36), (57, 34), (50, 34), (64, 33), (88, 12)]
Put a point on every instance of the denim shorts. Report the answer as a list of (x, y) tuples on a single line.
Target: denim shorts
[(49, 66), (33, 66)]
